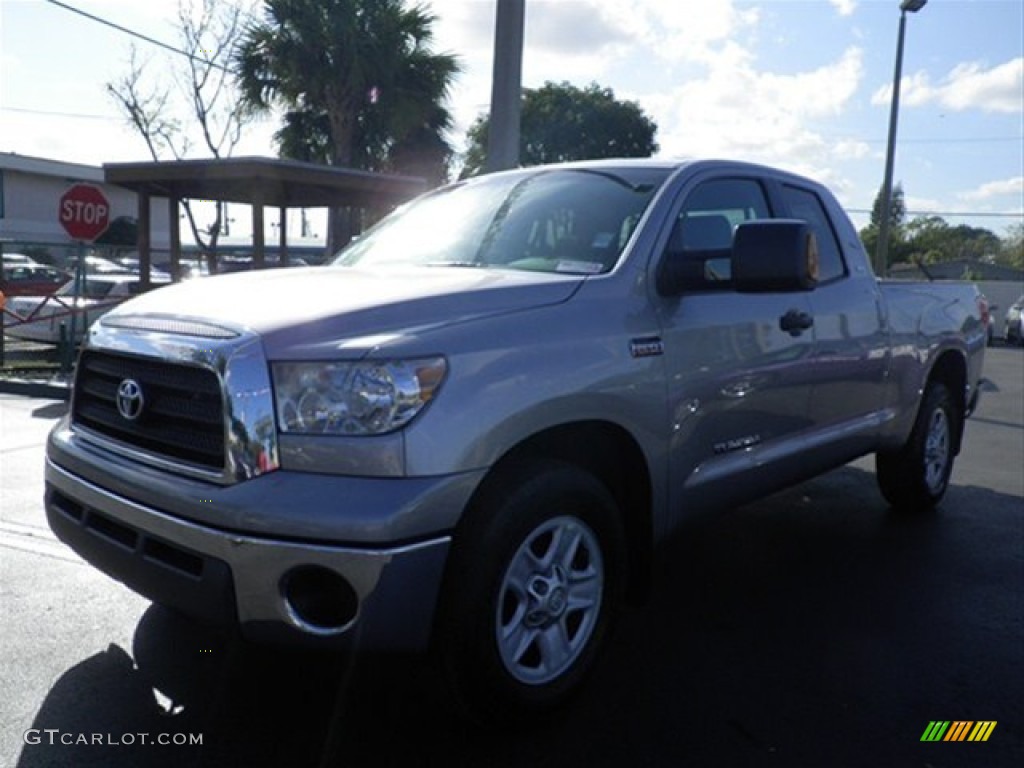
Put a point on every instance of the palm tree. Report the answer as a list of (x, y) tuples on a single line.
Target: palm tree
[(360, 86)]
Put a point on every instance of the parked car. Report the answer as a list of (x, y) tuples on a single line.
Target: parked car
[(31, 281), (20, 260), (97, 265), (99, 295), (188, 268), (472, 430), (234, 263), (1012, 323)]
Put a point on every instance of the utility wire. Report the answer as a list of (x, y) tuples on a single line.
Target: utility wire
[(54, 113), (88, 116), (954, 140), (965, 214), (133, 33)]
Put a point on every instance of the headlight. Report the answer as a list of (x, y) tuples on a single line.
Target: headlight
[(366, 398)]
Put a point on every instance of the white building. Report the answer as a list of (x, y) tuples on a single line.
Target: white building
[(30, 191)]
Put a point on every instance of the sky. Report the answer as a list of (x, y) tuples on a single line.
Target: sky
[(801, 84)]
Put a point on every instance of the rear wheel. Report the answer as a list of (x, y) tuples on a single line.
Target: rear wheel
[(915, 477), (535, 577)]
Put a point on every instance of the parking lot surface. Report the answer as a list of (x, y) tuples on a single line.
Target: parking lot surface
[(812, 628)]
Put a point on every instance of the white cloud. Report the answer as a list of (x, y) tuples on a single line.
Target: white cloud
[(583, 41), (850, 149), (969, 85), (844, 7), (1000, 89), (571, 28), (704, 86), (670, 30), (1005, 187), (573, 41), (738, 110), (921, 206)]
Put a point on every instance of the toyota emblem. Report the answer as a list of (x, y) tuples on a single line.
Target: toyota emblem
[(129, 399)]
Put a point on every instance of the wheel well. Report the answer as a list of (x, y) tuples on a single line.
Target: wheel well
[(611, 455), (951, 370)]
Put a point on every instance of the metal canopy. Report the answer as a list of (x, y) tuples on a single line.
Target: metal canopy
[(263, 180), (257, 181)]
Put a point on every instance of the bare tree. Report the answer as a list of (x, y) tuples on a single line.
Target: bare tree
[(209, 32)]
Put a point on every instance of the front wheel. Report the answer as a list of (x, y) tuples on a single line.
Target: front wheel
[(536, 575), (915, 477)]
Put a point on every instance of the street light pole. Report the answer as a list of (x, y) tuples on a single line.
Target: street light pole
[(503, 132), (882, 250)]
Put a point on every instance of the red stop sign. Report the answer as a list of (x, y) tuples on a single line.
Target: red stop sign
[(84, 212)]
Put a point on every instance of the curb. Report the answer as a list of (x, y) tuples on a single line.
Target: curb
[(41, 389)]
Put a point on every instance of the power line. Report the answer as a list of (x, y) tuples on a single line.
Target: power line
[(54, 113), (961, 140), (139, 35), (963, 214), (87, 116)]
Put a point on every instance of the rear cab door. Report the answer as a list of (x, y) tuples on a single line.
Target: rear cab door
[(851, 351)]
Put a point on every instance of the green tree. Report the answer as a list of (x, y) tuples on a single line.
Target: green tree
[(897, 213), (928, 239), (561, 122), (1011, 252), (932, 240), (974, 243), (123, 232), (897, 208), (359, 83)]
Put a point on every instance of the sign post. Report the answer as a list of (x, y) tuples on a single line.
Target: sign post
[(84, 213)]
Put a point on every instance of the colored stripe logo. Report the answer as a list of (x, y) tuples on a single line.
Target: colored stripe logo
[(958, 730)]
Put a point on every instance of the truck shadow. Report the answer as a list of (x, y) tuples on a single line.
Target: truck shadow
[(815, 627), (182, 680), (50, 411)]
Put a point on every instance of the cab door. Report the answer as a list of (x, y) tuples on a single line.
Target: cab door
[(851, 356), (737, 381)]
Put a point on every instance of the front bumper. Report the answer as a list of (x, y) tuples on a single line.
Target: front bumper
[(270, 583)]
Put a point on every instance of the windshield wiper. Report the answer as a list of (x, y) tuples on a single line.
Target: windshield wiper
[(473, 264)]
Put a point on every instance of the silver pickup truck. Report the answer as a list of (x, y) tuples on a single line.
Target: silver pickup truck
[(469, 433)]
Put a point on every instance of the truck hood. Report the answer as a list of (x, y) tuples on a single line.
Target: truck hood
[(316, 310)]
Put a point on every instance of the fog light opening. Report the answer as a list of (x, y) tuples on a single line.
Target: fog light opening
[(318, 600)]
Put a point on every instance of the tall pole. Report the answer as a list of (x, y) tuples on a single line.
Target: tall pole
[(506, 82), (882, 250)]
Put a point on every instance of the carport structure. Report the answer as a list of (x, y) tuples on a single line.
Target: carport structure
[(258, 182)]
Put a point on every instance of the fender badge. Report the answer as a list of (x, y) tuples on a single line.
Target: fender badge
[(651, 346)]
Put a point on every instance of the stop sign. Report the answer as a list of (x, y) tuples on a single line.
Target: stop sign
[(84, 212)]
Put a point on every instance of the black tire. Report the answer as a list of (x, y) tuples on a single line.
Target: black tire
[(915, 477), (513, 576)]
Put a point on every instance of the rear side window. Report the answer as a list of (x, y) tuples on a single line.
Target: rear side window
[(804, 204), (700, 245)]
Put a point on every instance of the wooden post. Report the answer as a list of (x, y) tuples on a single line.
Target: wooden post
[(257, 232), (173, 208), (144, 240), (282, 248)]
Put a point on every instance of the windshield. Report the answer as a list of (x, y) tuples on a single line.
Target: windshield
[(91, 289), (566, 220)]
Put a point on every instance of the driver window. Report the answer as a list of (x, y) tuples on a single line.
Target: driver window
[(700, 246)]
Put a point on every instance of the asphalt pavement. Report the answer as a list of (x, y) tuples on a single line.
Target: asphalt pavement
[(812, 628)]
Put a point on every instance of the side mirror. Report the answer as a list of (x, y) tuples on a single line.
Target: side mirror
[(776, 255)]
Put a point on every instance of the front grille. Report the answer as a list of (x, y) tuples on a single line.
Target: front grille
[(182, 418)]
